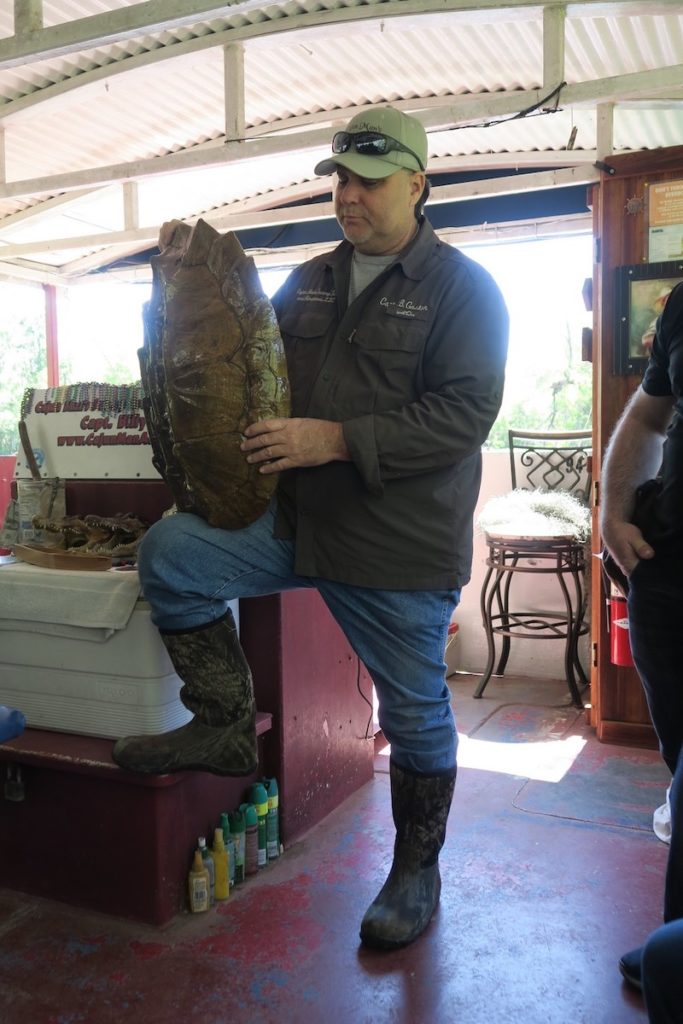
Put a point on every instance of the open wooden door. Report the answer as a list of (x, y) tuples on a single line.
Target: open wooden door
[(620, 228)]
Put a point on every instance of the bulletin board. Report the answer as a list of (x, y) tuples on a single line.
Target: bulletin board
[(665, 221)]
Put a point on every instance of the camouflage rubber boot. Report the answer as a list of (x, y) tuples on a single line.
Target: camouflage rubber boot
[(221, 738), (406, 902)]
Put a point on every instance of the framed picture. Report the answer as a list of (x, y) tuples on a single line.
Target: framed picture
[(642, 291)]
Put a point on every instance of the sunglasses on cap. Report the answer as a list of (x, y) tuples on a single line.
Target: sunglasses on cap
[(370, 144)]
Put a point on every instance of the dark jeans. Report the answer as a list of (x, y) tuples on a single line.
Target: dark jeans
[(655, 613), (663, 974)]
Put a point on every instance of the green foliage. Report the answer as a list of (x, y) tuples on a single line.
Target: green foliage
[(559, 398), (23, 364), (118, 371)]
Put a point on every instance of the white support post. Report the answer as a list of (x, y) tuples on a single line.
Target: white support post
[(131, 212), (233, 72), (3, 164), (28, 17), (604, 130), (553, 46)]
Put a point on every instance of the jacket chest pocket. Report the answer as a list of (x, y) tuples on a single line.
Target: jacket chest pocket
[(388, 359), (304, 335)]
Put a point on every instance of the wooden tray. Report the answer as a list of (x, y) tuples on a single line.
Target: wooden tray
[(54, 558)]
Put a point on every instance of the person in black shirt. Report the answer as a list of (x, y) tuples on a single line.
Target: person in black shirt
[(647, 444)]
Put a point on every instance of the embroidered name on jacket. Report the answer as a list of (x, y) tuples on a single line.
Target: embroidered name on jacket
[(314, 295), (405, 308)]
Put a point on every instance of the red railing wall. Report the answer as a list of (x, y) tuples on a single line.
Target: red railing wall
[(6, 477)]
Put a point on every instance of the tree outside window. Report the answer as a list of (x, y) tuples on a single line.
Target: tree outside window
[(23, 355)]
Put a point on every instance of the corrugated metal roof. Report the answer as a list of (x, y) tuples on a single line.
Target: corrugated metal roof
[(113, 93)]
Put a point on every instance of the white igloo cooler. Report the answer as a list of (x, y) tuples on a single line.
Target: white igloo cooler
[(79, 653)]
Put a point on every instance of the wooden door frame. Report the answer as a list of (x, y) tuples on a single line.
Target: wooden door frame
[(619, 202)]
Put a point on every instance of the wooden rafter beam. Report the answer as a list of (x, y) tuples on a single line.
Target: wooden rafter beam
[(233, 221), (449, 114), (156, 16)]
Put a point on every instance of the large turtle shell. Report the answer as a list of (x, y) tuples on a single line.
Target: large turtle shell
[(212, 363)]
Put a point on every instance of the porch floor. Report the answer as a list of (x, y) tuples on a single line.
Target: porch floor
[(550, 871)]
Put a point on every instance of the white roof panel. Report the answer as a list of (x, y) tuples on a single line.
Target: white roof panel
[(115, 123)]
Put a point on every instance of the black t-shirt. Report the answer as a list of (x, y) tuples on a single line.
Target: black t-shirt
[(664, 377)]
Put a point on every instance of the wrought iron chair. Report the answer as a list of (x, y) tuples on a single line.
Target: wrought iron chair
[(540, 462)]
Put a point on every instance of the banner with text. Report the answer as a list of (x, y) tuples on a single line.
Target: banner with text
[(88, 431)]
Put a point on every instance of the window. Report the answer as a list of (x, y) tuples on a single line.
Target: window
[(101, 330), (547, 386)]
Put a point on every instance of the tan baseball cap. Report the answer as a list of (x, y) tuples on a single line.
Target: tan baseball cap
[(402, 138)]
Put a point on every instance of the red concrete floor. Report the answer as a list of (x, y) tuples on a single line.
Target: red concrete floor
[(550, 870)]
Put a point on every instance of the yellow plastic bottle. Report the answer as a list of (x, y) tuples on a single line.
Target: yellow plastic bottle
[(198, 885), (220, 860)]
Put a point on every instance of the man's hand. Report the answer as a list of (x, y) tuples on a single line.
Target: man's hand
[(626, 544), (288, 443)]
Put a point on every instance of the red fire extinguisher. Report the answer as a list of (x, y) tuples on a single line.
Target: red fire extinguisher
[(620, 645)]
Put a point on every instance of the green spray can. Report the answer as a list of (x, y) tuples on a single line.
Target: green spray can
[(251, 839), (259, 798), (238, 826), (229, 846), (273, 819)]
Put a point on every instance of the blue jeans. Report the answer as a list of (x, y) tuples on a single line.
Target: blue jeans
[(662, 974), (190, 570), (655, 614)]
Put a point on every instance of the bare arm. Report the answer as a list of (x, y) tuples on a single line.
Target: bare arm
[(633, 455)]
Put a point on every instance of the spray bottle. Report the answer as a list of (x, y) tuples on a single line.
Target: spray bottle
[(259, 798), (219, 855), (238, 831), (273, 820), (198, 885), (209, 865), (229, 846), (251, 839)]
